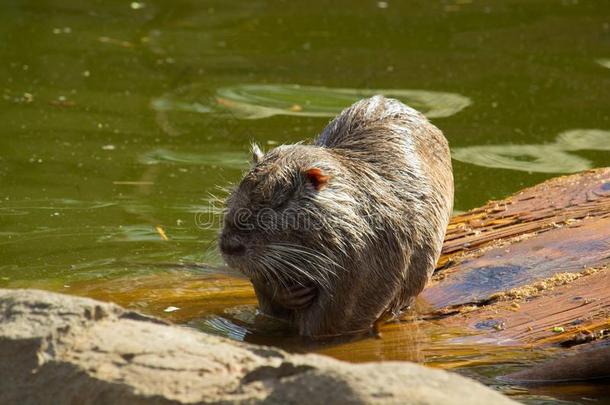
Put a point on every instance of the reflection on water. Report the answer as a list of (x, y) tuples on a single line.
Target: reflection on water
[(53, 206), (221, 304), (583, 139), (260, 101), (604, 62), (527, 158), (218, 325), (237, 160), (541, 158), (265, 100)]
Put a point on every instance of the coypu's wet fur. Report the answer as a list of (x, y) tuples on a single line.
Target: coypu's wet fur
[(371, 199)]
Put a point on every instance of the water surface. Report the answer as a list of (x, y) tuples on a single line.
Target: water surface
[(124, 122)]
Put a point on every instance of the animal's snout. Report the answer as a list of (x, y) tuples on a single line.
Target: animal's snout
[(231, 246)]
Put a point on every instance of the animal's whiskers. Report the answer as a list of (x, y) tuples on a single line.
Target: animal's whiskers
[(298, 263)]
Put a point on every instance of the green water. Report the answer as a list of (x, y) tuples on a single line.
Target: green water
[(118, 117)]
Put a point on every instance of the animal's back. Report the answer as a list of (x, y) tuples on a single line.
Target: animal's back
[(412, 185)]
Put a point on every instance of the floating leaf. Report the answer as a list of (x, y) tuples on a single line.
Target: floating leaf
[(140, 233)]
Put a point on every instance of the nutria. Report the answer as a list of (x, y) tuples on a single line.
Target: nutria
[(336, 234)]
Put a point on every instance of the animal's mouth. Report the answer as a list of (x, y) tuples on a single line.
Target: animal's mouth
[(282, 286)]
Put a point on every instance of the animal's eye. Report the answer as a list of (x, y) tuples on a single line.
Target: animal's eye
[(279, 203)]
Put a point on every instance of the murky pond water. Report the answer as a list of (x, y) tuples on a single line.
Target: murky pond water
[(122, 123)]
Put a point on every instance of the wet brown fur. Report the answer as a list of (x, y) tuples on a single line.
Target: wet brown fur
[(369, 233)]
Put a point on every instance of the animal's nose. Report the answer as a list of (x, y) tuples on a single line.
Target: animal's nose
[(230, 246)]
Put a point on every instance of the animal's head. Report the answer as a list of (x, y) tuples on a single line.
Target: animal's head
[(280, 226)]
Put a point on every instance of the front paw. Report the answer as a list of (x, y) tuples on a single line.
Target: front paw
[(296, 297)]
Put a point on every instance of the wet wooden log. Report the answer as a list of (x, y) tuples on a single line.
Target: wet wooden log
[(531, 269), (585, 365)]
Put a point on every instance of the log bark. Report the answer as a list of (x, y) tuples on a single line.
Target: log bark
[(531, 269)]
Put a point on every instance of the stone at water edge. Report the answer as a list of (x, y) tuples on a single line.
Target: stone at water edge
[(60, 349)]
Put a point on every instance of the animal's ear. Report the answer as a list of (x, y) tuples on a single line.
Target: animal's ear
[(257, 153), (317, 178)]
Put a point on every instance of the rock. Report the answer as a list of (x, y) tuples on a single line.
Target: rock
[(65, 350)]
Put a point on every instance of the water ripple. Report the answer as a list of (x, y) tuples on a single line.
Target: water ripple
[(236, 160), (252, 101), (527, 158), (541, 158), (584, 139)]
